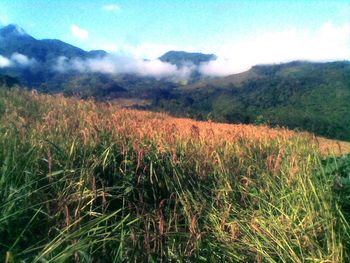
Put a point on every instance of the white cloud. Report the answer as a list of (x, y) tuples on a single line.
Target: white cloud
[(62, 64), (111, 8), (16, 60), (4, 62), (328, 43), (22, 60), (119, 65), (78, 32)]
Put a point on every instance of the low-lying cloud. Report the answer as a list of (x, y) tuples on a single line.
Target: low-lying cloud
[(22, 60), (4, 62), (328, 43), (121, 65), (16, 60)]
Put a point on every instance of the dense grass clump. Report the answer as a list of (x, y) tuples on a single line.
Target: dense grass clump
[(88, 182)]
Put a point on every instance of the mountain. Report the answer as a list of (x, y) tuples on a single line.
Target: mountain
[(310, 96), (35, 59), (43, 56), (44, 74), (181, 58), (14, 39)]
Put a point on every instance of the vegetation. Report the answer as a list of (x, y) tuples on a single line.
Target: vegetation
[(314, 97), (105, 87), (91, 182), (305, 96)]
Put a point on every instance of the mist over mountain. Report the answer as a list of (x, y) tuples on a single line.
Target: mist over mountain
[(39, 62), (192, 61), (33, 61)]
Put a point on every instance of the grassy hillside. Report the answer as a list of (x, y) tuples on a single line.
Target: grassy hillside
[(309, 96), (88, 182)]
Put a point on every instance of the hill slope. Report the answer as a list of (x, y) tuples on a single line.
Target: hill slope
[(309, 96), (81, 181)]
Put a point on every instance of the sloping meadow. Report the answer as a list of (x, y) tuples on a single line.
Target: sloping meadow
[(89, 182)]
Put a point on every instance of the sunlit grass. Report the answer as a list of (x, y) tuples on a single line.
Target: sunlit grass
[(88, 182)]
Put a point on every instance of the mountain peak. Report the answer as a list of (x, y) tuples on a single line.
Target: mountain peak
[(12, 30)]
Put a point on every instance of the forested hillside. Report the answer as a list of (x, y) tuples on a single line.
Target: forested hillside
[(309, 96)]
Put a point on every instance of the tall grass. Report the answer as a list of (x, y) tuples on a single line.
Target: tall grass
[(88, 182)]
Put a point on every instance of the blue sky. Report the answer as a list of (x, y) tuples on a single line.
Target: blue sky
[(146, 29)]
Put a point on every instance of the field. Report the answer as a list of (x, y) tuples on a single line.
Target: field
[(92, 182)]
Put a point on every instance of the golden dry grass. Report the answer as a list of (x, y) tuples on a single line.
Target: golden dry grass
[(220, 132), (165, 129), (327, 146), (161, 124)]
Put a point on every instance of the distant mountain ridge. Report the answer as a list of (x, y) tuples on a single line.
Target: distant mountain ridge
[(13, 39), (47, 53), (39, 56)]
